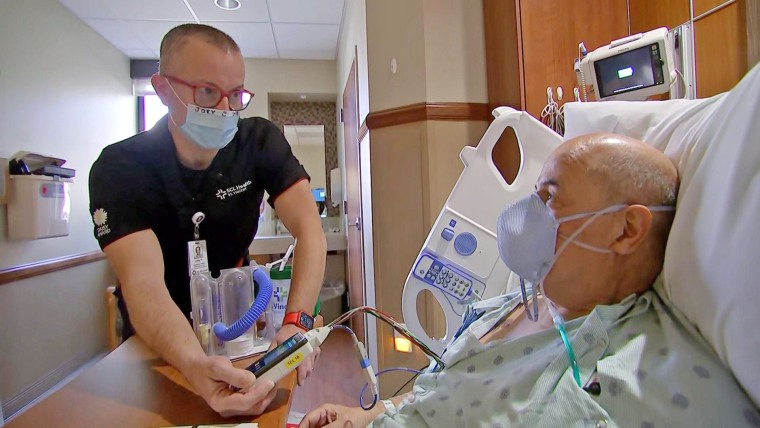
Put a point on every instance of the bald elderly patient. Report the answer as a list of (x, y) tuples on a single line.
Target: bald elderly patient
[(590, 243)]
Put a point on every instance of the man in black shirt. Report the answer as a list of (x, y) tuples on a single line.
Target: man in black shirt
[(145, 193)]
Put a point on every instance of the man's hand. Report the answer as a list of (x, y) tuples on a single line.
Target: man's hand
[(305, 369), (211, 377), (334, 415)]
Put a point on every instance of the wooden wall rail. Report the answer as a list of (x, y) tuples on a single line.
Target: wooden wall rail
[(30, 270), (428, 111)]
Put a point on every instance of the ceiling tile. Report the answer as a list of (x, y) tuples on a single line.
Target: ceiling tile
[(250, 11), (170, 10), (307, 11), (91, 8), (150, 33), (116, 32), (140, 54), (255, 39), (303, 29), (306, 41), (174, 10)]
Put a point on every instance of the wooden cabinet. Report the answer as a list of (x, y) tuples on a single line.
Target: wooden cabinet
[(720, 44), (703, 6), (647, 15), (531, 45)]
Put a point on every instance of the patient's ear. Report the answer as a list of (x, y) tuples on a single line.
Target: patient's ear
[(637, 222)]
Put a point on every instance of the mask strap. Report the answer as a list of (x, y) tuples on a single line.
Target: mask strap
[(610, 209), (662, 208), (588, 246), (594, 216), (180, 100), (533, 316), (613, 208)]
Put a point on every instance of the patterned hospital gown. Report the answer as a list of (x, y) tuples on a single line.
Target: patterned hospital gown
[(653, 368)]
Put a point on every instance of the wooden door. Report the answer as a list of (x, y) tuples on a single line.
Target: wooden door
[(355, 263)]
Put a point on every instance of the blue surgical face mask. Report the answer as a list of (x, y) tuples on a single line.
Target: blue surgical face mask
[(207, 127), (527, 235)]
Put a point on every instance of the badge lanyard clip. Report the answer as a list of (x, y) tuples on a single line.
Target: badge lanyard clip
[(197, 219), (197, 259)]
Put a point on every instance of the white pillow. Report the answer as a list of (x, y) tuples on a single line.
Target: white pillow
[(712, 261)]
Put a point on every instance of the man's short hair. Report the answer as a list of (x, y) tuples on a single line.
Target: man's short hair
[(629, 177), (178, 35), (632, 179)]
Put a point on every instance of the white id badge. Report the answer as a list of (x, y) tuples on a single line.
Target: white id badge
[(197, 259)]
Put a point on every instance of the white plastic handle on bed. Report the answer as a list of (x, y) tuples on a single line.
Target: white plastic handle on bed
[(463, 238)]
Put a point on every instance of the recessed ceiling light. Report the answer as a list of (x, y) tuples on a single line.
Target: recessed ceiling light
[(227, 4), (303, 97)]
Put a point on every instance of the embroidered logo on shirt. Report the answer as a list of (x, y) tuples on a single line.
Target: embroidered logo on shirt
[(222, 194), (100, 217)]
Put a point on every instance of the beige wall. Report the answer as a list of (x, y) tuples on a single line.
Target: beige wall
[(439, 50), (265, 76), (455, 54), (395, 30), (65, 92)]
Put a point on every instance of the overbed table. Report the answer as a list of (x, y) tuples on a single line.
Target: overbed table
[(132, 387)]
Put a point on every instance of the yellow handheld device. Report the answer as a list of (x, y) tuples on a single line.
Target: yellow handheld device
[(283, 359)]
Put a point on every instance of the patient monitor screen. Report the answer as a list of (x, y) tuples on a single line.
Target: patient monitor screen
[(636, 69)]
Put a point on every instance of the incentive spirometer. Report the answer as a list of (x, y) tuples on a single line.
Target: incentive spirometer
[(225, 310), (459, 262), (631, 69)]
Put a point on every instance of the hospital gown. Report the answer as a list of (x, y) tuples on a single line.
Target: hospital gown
[(654, 370)]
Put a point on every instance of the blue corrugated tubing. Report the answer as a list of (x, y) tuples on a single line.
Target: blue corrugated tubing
[(260, 303)]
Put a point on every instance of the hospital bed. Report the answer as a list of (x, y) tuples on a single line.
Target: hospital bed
[(712, 261)]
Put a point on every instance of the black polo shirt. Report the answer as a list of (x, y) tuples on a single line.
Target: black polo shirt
[(139, 184)]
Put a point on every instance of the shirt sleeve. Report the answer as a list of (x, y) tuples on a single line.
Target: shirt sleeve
[(280, 169), (117, 205)]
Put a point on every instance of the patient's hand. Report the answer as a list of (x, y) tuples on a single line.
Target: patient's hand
[(334, 415)]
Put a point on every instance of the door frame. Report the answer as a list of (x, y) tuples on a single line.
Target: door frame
[(370, 338)]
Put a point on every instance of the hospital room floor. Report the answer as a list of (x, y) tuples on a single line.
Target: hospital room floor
[(336, 378)]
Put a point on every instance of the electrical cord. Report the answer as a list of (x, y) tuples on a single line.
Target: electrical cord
[(381, 372), (369, 374), (407, 382), (553, 115), (395, 325), (683, 80)]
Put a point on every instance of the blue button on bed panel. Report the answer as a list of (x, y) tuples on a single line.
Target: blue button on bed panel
[(447, 234), (465, 244), (452, 223)]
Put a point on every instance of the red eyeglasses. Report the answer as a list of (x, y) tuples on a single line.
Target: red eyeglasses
[(210, 95)]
